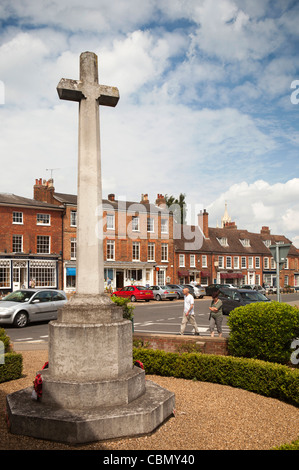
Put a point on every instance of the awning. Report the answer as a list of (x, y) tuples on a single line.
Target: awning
[(183, 273), (231, 275), (205, 273), (71, 271)]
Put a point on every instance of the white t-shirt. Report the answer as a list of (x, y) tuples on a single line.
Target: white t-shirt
[(188, 301)]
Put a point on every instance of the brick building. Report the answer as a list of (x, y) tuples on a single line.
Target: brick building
[(141, 245), (138, 238), (30, 243), (233, 256)]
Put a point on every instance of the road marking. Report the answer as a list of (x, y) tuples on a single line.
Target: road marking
[(23, 339)]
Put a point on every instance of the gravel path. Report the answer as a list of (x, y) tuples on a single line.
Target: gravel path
[(208, 417)]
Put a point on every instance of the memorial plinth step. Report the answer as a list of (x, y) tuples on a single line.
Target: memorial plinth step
[(141, 416)]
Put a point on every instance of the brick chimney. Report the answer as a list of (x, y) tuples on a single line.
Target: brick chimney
[(265, 230), (144, 198), (203, 222), (229, 225), (43, 191), (160, 201)]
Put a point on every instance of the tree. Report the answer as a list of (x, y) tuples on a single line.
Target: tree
[(178, 207)]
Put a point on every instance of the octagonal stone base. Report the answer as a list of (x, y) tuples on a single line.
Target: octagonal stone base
[(91, 390), (43, 421)]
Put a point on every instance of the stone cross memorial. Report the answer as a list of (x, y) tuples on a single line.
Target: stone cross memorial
[(91, 390), (87, 91)]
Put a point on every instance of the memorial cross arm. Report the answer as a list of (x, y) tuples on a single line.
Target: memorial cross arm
[(108, 95), (74, 90), (70, 90)]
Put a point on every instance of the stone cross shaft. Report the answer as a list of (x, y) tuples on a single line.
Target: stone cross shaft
[(89, 94)]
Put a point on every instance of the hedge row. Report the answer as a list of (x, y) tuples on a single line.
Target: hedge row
[(11, 363), (268, 379), (5, 340), (12, 367)]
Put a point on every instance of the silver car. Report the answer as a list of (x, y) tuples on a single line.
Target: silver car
[(30, 305), (163, 292), (199, 291)]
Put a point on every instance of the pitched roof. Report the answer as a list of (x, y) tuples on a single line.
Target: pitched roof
[(256, 246), (14, 200), (130, 206)]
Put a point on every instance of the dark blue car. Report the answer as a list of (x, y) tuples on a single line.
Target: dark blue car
[(233, 298)]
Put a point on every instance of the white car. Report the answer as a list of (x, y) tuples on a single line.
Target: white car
[(199, 291), (30, 305), (256, 287)]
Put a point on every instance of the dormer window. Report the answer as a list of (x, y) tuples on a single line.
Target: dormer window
[(267, 243), (245, 242), (223, 241)]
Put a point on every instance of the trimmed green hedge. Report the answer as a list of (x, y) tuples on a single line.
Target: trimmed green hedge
[(12, 367), (5, 340), (294, 445), (263, 330), (271, 380)]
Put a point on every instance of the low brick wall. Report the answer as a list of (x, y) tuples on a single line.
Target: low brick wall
[(178, 343)]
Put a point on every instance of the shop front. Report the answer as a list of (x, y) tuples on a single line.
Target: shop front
[(24, 272), (234, 278), (120, 274)]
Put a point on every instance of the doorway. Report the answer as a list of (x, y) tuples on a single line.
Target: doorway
[(119, 279), (19, 278)]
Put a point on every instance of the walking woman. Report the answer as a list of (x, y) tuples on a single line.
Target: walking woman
[(216, 314)]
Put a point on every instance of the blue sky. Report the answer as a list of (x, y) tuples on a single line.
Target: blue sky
[(205, 102)]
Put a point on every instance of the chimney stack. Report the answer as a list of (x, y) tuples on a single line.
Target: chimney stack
[(160, 201), (43, 191), (144, 198), (203, 222)]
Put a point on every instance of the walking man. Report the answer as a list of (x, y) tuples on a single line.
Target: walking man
[(188, 314)]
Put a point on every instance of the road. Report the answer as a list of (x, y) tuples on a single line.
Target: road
[(165, 317), (153, 317)]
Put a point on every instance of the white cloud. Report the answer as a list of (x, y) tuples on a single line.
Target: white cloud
[(227, 31), (93, 16), (138, 59), (200, 101), (253, 205)]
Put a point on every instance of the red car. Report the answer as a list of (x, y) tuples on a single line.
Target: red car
[(135, 293)]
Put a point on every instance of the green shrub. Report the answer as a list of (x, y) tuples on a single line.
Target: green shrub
[(12, 367), (271, 380), (5, 340), (124, 303), (292, 446), (263, 330)]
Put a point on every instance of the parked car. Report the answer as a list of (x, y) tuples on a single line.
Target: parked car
[(194, 291), (255, 287), (30, 305), (163, 293), (177, 288), (214, 287), (135, 293), (271, 289), (199, 291), (233, 298)]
